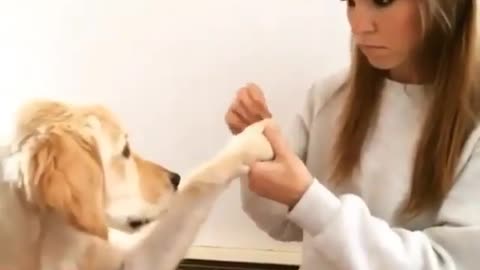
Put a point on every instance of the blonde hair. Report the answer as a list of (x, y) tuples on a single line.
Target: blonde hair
[(449, 55)]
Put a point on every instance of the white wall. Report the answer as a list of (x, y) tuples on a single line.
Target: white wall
[(170, 69)]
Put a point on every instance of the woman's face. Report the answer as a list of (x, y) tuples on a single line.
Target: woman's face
[(387, 31)]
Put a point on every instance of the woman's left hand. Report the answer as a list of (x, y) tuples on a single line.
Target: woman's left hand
[(284, 179)]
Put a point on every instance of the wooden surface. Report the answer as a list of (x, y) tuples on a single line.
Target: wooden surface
[(222, 265)]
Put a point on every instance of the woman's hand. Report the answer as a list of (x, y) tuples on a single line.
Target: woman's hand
[(248, 107), (286, 178)]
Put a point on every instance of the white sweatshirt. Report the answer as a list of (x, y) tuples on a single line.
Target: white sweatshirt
[(357, 226)]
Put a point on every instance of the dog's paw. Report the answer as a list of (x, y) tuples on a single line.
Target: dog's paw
[(251, 145), (234, 159)]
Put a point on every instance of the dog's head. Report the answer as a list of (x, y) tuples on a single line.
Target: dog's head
[(76, 161)]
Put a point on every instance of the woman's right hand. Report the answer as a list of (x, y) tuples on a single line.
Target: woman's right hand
[(248, 107)]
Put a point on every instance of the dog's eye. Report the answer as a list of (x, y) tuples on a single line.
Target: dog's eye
[(126, 151)]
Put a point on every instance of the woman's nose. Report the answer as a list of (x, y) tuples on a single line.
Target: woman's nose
[(361, 20)]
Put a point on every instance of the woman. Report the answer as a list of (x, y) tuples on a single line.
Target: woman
[(385, 167)]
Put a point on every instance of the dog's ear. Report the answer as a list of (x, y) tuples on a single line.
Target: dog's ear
[(65, 176)]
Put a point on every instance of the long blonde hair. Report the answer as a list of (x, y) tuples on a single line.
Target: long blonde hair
[(449, 52)]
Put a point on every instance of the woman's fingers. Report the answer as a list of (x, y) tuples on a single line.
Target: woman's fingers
[(248, 107)]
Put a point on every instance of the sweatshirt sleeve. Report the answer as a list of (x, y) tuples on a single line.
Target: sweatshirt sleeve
[(345, 233)]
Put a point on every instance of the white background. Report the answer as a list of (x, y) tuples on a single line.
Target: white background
[(170, 69)]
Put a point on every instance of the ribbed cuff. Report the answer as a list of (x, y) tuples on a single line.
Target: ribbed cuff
[(314, 209)]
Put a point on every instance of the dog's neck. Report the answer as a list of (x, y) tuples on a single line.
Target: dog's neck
[(65, 247), (35, 240), (19, 231), (62, 246), (32, 240)]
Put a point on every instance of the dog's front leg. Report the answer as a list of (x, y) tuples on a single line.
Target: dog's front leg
[(170, 238)]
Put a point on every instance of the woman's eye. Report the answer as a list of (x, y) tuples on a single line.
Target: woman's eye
[(382, 3), (378, 3), (350, 3)]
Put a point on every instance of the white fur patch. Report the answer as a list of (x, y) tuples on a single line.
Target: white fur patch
[(94, 123), (10, 168)]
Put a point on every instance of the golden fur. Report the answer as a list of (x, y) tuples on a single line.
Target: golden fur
[(71, 175)]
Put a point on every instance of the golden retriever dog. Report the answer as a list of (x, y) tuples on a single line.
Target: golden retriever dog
[(70, 174)]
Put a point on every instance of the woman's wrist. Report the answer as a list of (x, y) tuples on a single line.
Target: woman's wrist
[(315, 208), (298, 192)]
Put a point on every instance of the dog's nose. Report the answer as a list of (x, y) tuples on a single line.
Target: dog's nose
[(175, 179), (137, 223)]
